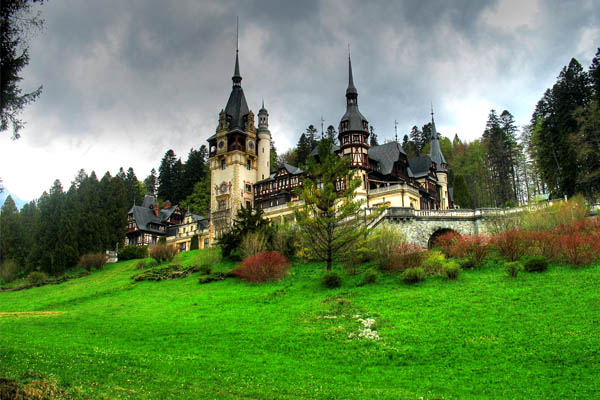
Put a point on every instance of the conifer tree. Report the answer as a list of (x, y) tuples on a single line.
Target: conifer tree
[(10, 233), (373, 137), (331, 134), (328, 219), (151, 183), (303, 149)]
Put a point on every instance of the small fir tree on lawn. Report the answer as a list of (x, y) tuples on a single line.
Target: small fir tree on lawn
[(330, 220), (194, 243)]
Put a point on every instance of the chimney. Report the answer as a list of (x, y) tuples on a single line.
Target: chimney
[(156, 209), (167, 204)]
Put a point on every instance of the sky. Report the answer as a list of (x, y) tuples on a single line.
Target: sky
[(125, 81)]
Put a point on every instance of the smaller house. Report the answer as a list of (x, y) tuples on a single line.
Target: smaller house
[(193, 224), (147, 223)]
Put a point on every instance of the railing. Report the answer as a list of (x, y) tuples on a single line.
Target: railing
[(384, 189), (409, 213)]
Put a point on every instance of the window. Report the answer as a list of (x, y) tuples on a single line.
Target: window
[(248, 205), (356, 138), (248, 165), (221, 204), (223, 164), (206, 243), (248, 187)]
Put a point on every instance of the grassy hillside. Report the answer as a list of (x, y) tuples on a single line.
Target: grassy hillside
[(484, 335)]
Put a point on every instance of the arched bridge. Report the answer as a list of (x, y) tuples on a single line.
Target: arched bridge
[(423, 226)]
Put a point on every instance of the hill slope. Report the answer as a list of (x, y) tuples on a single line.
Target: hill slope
[(482, 336)]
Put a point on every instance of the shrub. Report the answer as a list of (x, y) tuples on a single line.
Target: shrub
[(536, 264), (173, 271), (360, 253), (446, 242), (467, 263), (8, 271), (262, 267), (214, 277), (384, 243), (163, 252), (579, 248), (208, 258), (194, 243), (434, 262), (474, 246), (414, 275), (513, 268), (562, 213), (331, 280), (285, 240), (512, 244), (162, 240), (452, 269), (252, 244), (406, 255), (132, 252), (371, 275), (93, 260), (141, 265), (37, 278)]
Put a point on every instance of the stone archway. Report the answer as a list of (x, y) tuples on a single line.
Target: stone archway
[(436, 234)]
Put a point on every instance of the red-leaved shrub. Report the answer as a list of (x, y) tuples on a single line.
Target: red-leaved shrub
[(512, 244), (406, 255), (263, 267), (579, 248), (446, 242)]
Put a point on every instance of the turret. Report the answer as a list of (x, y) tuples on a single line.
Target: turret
[(264, 145), (354, 128), (441, 166)]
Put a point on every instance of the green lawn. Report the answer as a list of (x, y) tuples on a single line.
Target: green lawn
[(483, 336)]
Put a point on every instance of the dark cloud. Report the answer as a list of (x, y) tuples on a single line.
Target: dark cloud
[(153, 75)]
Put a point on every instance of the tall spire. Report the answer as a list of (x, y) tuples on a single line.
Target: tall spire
[(436, 151), (237, 78), (351, 89)]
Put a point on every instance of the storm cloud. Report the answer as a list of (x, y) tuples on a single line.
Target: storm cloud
[(126, 81)]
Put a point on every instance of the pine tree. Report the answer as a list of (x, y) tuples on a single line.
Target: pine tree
[(331, 134), (166, 176), (11, 233), (416, 137), (303, 149), (328, 218), (273, 159), (373, 137), (311, 135), (133, 188), (151, 183), (461, 192), (194, 170)]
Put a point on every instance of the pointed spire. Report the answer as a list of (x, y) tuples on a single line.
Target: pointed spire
[(351, 88), (237, 78), (434, 134), (436, 152)]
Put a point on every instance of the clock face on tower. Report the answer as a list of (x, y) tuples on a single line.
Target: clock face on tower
[(223, 187), (251, 145), (221, 144)]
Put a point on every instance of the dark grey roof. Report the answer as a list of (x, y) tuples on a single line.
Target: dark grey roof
[(386, 155), (165, 213), (270, 178), (351, 88), (420, 165), (353, 116), (144, 217), (292, 170), (236, 107), (436, 152)]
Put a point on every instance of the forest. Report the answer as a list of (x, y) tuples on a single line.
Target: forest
[(556, 154)]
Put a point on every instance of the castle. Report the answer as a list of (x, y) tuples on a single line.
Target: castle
[(239, 155), (240, 173)]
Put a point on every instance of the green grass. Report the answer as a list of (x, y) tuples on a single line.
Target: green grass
[(484, 335)]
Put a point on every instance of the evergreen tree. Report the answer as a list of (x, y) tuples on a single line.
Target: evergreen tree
[(29, 219), (495, 140), (331, 134), (247, 220), (11, 233), (594, 75), (555, 123), (425, 138), (166, 176), (273, 159), (416, 137), (133, 188), (373, 137), (303, 149), (194, 170), (289, 157), (151, 183), (114, 199), (586, 142), (199, 201), (461, 192), (311, 135), (328, 218)]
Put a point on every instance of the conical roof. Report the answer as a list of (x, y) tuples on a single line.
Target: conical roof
[(237, 107), (436, 152)]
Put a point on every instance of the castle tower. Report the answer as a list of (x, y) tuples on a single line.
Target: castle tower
[(264, 145), (354, 128), (232, 157), (441, 166)]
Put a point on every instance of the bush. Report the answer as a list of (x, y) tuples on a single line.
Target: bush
[(37, 278), (406, 255), (8, 271), (262, 267), (214, 277), (194, 243), (359, 253), (173, 271), (132, 252), (467, 263), (557, 214), (371, 275), (162, 240), (93, 260), (513, 268), (578, 248), (331, 279), (208, 258), (163, 252), (414, 275), (452, 269), (285, 240), (384, 243), (446, 243), (536, 264), (141, 265), (434, 262), (252, 244), (512, 244)]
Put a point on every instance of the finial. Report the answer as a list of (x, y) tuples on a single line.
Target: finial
[(322, 120), (396, 130), (263, 103), (237, 34), (432, 110)]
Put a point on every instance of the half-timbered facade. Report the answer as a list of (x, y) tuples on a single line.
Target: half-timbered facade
[(147, 223)]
